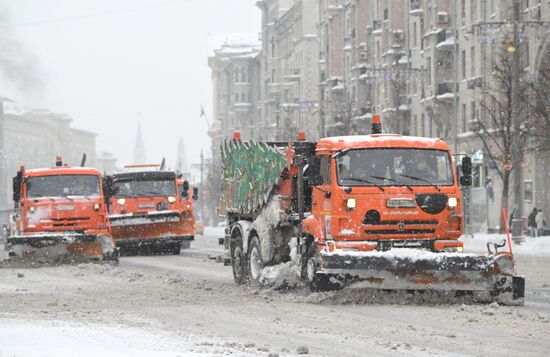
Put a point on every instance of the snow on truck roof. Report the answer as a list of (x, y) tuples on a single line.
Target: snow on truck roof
[(338, 143), (62, 170)]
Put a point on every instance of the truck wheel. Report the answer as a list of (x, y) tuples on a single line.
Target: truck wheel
[(310, 262), (238, 259), (175, 249), (255, 260)]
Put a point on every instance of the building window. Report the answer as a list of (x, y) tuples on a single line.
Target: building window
[(414, 34), (273, 47), (473, 61), (386, 14), (463, 12), (473, 10), (423, 124), (464, 121), (473, 110), (236, 97), (528, 191), (463, 59)]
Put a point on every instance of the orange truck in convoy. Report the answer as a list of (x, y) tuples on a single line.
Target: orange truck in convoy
[(382, 211), (60, 210), (151, 208)]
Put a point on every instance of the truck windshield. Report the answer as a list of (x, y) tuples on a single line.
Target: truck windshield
[(146, 188), (395, 167), (62, 186)]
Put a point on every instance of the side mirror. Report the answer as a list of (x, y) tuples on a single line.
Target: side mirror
[(17, 181), (186, 185), (195, 193), (109, 189), (315, 171), (466, 179)]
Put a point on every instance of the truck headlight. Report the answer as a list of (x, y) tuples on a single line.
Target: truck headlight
[(32, 209), (121, 201), (351, 203), (96, 206), (171, 199), (453, 202)]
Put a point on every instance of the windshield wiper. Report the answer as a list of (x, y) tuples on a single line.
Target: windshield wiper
[(362, 180), (42, 196), (421, 179), (393, 180)]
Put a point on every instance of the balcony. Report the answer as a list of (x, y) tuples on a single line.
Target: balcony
[(445, 91)]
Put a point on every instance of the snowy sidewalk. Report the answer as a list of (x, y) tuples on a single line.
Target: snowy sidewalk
[(539, 246)]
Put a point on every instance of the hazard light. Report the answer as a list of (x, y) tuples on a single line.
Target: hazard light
[(376, 124)]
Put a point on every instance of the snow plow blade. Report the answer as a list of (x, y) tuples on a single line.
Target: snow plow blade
[(51, 239), (491, 277), (140, 220), (92, 246)]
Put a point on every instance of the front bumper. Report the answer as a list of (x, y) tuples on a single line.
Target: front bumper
[(139, 220), (137, 243), (52, 238)]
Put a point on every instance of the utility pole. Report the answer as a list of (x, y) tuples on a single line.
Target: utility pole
[(517, 149), (3, 168), (202, 187), (455, 79)]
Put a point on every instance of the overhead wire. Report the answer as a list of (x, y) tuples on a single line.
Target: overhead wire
[(101, 14)]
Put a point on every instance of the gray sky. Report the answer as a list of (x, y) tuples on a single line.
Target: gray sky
[(105, 69)]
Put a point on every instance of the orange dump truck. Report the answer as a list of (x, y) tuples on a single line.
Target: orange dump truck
[(60, 210), (151, 208), (377, 211)]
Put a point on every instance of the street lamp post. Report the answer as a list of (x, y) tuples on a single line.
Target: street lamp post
[(517, 151), (3, 169)]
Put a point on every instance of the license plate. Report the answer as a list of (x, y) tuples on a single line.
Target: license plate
[(400, 203), (148, 205), (65, 208)]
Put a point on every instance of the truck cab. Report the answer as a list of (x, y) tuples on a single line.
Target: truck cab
[(60, 209), (382, 191), (151, 208)]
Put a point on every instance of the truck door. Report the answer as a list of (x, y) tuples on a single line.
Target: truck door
[(322, 193)]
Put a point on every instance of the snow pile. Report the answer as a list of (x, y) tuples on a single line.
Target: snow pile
[(539, 246), (218, 232), (285, 275), (55, 338), (268, 218)]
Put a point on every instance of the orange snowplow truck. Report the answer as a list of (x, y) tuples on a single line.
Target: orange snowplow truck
[(382, 211), (151, 208), (60, 210)]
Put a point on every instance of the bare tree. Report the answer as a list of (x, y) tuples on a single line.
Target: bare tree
[(496, 129), (538, 104)]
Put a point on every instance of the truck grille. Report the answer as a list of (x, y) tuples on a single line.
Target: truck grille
[(69, 222)]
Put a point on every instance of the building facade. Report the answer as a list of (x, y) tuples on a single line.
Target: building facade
[(426, 65), (34, 139)]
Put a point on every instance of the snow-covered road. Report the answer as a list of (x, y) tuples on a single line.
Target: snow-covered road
[(188, 305)]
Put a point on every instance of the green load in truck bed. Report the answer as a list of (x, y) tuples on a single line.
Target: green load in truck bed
[(250, 172)]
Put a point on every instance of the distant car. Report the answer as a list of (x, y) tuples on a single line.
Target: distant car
[(199, 228)]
